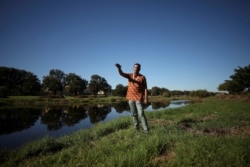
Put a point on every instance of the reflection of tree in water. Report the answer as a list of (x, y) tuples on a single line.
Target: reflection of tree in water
[(56, 117), (157, 105), (17, 119), (98, 113), (74, 114), (121, 106), (52, 117)]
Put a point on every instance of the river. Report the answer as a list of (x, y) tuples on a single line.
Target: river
[(21, 125)]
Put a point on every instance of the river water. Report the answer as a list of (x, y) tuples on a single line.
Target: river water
[(21, 125)]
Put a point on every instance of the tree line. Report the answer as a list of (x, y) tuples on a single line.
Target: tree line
[(121, 90), (14, 82)]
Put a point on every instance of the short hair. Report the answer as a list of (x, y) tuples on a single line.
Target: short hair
[(139, 65)]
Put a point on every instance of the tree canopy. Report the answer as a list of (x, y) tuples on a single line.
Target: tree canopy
[(74, 84), (18, 82), (239, 82), (98, 83), (68, 84)]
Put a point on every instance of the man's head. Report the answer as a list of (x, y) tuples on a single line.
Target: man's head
[(137, 68)]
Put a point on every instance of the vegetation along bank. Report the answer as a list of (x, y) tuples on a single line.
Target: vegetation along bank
[(212, 132)]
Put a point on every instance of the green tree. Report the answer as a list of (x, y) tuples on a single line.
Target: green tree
[(242, 77), (240, 81), (232, 86), (52, 85), (155, 91), (165, 92), (18, 82), (176, 93), (98, 83), (31, 85), (120, 90), (200, 93), (54, 82), (75, 84)]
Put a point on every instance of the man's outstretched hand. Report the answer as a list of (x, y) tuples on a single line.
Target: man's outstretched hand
[(118, 65)]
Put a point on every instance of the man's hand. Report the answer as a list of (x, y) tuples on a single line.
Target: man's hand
[(118, 65)]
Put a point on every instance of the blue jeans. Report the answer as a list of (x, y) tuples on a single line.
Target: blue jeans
[(137, 109)]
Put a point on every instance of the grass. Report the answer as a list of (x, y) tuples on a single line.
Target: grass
[(27, 101), (214, 132)]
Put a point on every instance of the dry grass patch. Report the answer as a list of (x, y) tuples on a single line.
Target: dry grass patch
[(164, 158), (158, 122), (233, 131)]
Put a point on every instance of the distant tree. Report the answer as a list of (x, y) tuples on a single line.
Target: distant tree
[(98, 83), (120, 90), (155, 91), (200, 93), (74, 84), (186, 92), (176, 93), (54, 82), (31, 85), (52, 85), (233, 87), (240, 81), (18, 82), (165, 92), (58, 74)]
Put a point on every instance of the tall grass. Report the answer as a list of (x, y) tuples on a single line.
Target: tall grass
[(214, 132)]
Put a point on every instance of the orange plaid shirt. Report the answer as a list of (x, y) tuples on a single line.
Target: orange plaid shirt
[(136, 87)]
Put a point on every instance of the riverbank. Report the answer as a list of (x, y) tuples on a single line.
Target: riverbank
[(27, 101), (214, 132)]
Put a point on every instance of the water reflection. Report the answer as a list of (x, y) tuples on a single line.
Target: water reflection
[(56, 117), (121, 107), (98, 113), (17, 119), (27, 124), (159, 105)]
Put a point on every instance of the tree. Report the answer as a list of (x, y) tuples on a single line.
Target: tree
[(58, 74), (98, 83), (200, 93), (165, 92), (18, 82), (54, 82), (242, 77), (75, 84), (240, 81), (233, 87), (155, 91), (31, 85), (176, 93), (120, 90)]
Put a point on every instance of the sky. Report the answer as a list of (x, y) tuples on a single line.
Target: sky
[(180, 44)]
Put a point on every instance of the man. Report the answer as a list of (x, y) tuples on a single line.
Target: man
[(137, 94)]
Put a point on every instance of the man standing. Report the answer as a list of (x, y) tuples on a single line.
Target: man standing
[(137, 94)]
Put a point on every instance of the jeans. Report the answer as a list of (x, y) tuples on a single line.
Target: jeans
[(137, 109)]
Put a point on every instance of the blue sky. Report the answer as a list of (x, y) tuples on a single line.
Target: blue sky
[(181, 44)]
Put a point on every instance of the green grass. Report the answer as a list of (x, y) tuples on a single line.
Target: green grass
[(36, 101), (214, 132)]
